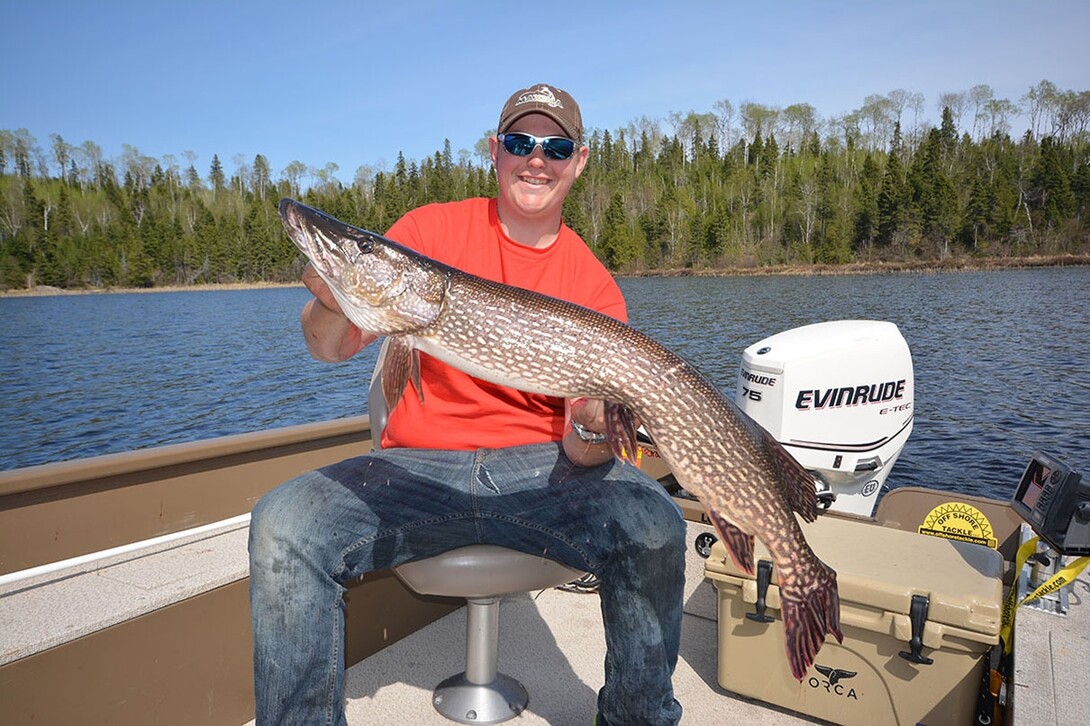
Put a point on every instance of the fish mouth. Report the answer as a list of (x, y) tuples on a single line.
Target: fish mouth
[(287, 209), (294, 220), (307, 226), (330, 243)]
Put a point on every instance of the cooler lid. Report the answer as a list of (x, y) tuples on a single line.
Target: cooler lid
[(879, 567)]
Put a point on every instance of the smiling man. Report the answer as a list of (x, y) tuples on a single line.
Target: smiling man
[(532, 186), (471, 462)]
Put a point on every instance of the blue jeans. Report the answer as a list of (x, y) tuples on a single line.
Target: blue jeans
[(317, 532)]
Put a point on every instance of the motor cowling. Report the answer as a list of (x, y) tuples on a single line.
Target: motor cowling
[(839, 397)]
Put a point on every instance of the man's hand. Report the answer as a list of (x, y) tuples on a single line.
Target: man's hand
[(590, 413), (330, 336), (319, 289)]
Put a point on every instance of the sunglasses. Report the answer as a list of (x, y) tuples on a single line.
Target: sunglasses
[(554, 147)]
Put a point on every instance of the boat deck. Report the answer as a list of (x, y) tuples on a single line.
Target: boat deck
[(58, 607), (552, 641), (1052, 661)]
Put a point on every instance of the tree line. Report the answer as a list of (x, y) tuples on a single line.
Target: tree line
[(741, 187)]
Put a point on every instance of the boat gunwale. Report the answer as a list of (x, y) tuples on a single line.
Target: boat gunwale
[(61, 473), (55, 512)]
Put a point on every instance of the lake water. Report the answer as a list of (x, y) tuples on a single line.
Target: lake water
[(1001, 363)]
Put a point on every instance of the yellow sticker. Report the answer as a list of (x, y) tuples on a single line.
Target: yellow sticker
[(958, 521)]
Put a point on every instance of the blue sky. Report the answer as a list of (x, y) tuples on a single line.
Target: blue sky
[(354, 83)]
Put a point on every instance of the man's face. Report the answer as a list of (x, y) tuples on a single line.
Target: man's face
[(534, 185)]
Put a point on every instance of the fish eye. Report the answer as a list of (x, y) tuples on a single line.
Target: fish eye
[(365, 245)]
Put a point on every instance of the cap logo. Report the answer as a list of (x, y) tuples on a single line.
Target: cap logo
[(542, 95)]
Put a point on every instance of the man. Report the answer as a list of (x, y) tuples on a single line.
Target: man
[(474, 462)]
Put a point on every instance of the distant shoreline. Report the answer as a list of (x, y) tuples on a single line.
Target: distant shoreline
[(47, 290), (952, 264), (966, 264)]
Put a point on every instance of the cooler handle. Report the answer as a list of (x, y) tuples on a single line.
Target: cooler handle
[(917, 614), (764, 577)]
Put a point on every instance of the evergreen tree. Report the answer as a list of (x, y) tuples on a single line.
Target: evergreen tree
[(867, 215), (892, 202), (193, 179), (262, 176), (934, 202), (975, 220), (1052, 186), (619, 245), (215, 177), (1080, 188)]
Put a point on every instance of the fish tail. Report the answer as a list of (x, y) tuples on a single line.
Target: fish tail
[(810, 612)]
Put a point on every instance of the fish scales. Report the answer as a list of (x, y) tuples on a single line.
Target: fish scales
[(746, 481)]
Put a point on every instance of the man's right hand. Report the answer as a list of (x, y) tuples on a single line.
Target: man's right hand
[(330, 336), (319, 289)]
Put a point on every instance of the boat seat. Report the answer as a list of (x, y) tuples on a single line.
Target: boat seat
[(482, 574)]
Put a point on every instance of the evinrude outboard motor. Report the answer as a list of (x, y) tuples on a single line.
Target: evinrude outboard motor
[(839, 397)]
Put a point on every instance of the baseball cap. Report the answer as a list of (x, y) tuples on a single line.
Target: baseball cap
[(547, 100)]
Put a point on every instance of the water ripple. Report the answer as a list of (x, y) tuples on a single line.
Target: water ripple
[(1000, 366)]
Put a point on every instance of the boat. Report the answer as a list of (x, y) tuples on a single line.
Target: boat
[(123, 587)]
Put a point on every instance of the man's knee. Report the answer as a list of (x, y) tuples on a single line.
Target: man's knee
[(672, 527), (275, 523), (652, 516)]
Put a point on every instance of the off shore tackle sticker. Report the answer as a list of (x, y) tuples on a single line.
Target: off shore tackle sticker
[(959, 521)]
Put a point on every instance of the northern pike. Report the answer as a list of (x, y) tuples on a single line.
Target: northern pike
[(748, 484)]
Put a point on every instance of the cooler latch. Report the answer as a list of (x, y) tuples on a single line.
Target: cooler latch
[(764, 577), (917, 615)]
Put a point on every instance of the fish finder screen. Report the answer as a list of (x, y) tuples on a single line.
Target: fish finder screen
[(1053, 500), (1033, 484)]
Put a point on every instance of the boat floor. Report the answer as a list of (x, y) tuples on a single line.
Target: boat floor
[(1052, 661), (553, 642)]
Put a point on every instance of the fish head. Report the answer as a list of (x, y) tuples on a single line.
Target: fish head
[(383, 288)]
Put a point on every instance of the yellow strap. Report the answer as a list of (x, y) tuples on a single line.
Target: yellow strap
[(1066, 575)]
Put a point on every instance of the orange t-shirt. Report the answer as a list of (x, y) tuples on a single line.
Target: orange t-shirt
[(462, 412)]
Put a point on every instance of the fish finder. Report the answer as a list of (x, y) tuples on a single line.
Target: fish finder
[(1054, 500)]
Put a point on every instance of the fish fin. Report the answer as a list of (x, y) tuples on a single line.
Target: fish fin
[(399, 362), (621, 432), (414, 374), (810, 610), (739, 545), (796, 483)]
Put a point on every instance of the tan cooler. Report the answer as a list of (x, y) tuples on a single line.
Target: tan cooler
[(881, 573)]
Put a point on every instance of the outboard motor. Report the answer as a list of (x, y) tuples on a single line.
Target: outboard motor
[(839, 397)]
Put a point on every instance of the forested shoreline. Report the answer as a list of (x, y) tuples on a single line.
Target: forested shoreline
[(747, 189)]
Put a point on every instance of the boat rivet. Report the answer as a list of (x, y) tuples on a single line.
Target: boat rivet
[(471, 715)]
